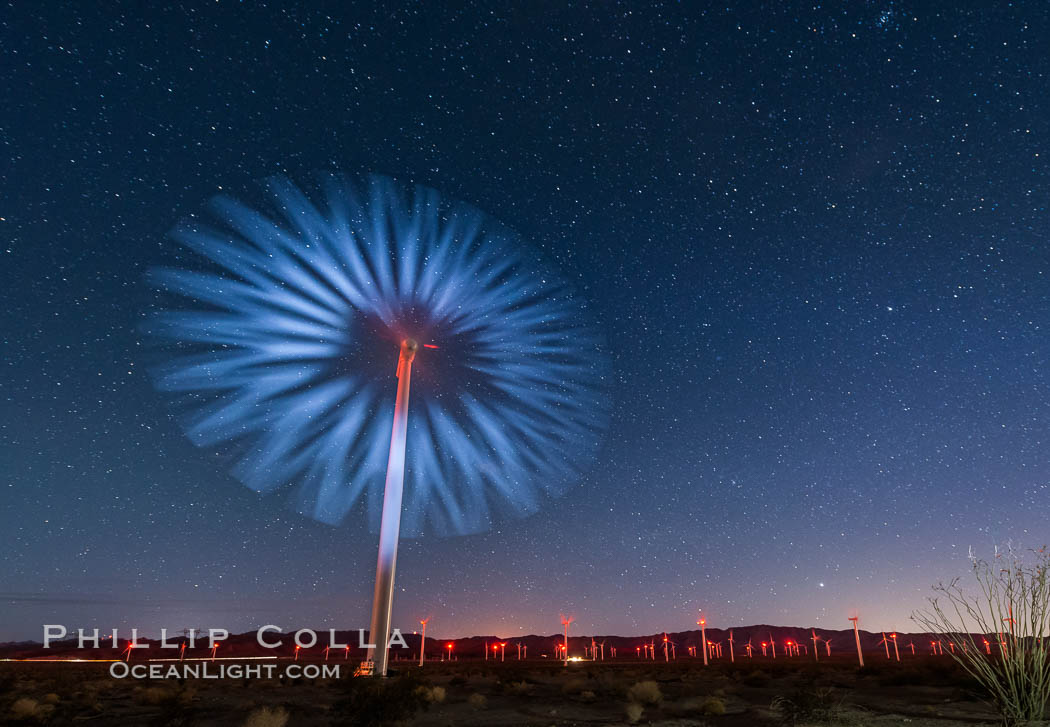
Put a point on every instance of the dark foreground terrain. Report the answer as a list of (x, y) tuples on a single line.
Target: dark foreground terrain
[(921, 691)]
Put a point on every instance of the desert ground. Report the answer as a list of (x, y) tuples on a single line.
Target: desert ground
[(921, 692)]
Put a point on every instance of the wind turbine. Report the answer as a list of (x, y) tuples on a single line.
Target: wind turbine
[(702, 623), (895, 650), (856, 635), (748, 648), (565, 621), (773, 644), (276, 358), (732, 659), (885, 642), (1009, 620), (816, 653), (827, 646), (423, 638)]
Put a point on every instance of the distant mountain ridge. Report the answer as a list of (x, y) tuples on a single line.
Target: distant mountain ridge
[(538, 646)]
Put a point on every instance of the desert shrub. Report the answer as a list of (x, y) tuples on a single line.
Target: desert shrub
[(634, 712), (379, 702), (433, 695), (457, 681), (574, 685), (153, 695), (511, 675), (609, 685), (1012, 603), (876, 670), (175, 703), (755, 679), (713, 706), (808, 703), (477, 701), (7, 681), (902, 677), (587, 695), (518, 689), (267, 717), (948, 673), (647, 692), (26, 709), (706, 706)]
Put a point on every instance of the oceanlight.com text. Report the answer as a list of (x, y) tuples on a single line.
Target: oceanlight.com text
[(209, 670)]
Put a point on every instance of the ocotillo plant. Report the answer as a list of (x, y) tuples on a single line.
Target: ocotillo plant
[(1015, 589)]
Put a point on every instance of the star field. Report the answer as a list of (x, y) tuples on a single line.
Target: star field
[(814, 238)]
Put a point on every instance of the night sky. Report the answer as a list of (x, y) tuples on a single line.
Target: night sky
[(815, 239)]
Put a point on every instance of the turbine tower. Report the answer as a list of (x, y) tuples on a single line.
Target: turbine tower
[(390, 525), (856, 636), (565, 621), (423, 639)]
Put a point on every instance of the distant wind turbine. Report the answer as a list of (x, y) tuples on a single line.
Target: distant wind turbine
[(856, 635), (565, 621), (702, 623), (885, 642), (423, 638)]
